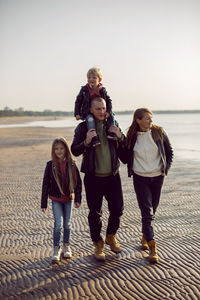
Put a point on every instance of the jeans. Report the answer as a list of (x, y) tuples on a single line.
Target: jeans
[(148, 191), (91, 122), (62, 212), (95, 188)]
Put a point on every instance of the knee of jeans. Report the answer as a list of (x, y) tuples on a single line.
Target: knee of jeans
[(57, 225), (67, 225)]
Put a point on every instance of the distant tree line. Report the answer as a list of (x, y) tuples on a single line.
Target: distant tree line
[(16, 113), (21, 113)]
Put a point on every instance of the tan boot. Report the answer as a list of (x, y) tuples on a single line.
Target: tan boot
[(153, 255), (114, 246), (98, 251), (144, 243)]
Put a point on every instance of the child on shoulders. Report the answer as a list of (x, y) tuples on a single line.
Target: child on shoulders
[(94, 89)]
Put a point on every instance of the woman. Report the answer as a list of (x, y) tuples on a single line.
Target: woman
[(149, 159)]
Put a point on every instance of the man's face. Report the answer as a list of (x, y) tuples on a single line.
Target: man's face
[(98, 109)]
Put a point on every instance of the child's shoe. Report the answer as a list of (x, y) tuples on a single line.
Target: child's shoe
[(56, 254), (112, 136), (95, 141), (67, 253)]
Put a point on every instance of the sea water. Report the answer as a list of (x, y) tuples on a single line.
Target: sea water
[(183, 130)]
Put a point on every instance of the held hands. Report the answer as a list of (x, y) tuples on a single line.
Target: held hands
[(78, 117), (116, 131)]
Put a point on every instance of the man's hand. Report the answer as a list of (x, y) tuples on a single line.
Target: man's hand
[(78, 117), (44, 210), (107, 115), (77, 204), (116, 131), (90, 134)]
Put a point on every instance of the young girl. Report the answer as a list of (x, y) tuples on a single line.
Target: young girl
[(62, 184)]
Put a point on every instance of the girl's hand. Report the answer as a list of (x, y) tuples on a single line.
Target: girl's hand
[(72, 196), (77, 204), (78, 117), (44, 210)]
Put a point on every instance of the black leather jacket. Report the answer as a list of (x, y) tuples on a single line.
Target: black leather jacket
[(82, 103), (164, 148), (88, 162), (50, 187)]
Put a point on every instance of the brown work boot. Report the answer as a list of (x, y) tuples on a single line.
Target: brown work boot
[(153, 255), (114, 246), (98, 251), (144, 243)]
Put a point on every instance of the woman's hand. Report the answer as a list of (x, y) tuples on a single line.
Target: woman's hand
[(77, 204), (78, 117)]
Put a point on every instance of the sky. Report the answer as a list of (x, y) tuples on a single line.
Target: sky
[(148, 52)]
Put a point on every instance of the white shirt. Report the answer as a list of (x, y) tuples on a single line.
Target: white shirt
[(147, 161)]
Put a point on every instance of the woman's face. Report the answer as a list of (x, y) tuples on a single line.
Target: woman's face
[(146, 122), (60, 151)]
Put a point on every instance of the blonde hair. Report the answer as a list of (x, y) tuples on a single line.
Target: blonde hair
[(134, 128), (95, 71), (70, 162)]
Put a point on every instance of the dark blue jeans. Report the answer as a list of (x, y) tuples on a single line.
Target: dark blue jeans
[(110, 188), (91, 122), (148, 191)]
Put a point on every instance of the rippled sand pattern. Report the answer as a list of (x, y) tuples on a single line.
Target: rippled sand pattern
[(26, 271)]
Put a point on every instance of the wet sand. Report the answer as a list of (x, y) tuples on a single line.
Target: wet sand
[(26, 271)]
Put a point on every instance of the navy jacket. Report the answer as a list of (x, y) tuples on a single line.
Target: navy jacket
[(50, 187), (82, 104)]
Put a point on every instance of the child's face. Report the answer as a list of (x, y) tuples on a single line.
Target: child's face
[(93, 80), (60, 151)]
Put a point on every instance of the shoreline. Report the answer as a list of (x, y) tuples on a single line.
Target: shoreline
[(26, 119)]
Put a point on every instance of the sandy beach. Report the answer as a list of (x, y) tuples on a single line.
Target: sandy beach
[(26, 271)]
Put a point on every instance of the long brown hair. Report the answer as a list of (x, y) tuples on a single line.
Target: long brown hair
[(70, 162), (134, 128)]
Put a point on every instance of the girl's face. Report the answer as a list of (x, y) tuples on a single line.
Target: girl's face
[(60, 151), (146, 122), (93, 80)]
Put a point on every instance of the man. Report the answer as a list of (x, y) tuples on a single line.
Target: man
[(101, 167)]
